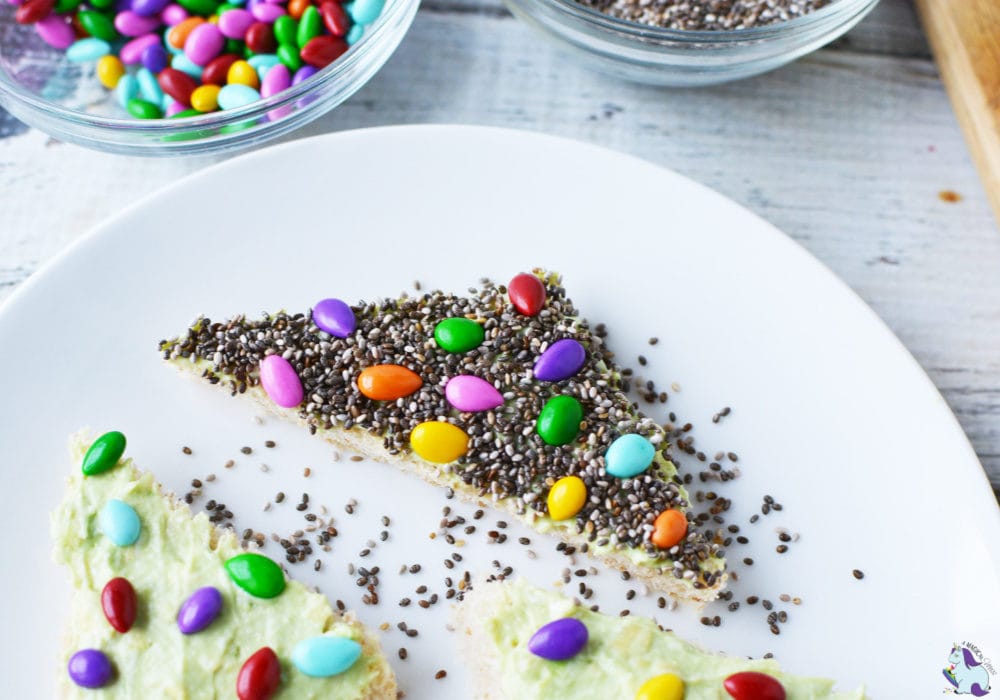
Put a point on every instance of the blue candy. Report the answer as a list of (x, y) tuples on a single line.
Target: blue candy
[(127, 88), (149, 87), (629, 456), (119, 522), (87, 50), (235, 95), (325, 656), (185, 65), (354, 34), (365, 11), (262, 63)]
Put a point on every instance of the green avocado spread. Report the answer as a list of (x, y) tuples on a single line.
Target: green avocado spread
[(621, 653), (176, 554)]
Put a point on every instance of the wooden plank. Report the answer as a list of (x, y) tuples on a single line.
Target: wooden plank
[(965, 37)]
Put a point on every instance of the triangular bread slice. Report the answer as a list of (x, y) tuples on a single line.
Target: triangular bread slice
[(177, 553), (497, 620), (507, 460)]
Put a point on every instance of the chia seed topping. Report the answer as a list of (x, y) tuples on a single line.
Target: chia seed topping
[(506, 457), (702, 15)]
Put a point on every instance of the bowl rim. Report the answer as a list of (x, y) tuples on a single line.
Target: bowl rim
[(327, 75), (639, 30)]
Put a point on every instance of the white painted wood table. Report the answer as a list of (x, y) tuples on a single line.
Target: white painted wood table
[(846, 151)]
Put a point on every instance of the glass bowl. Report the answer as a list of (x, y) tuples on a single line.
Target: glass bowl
[(39, 86), (675, 57)]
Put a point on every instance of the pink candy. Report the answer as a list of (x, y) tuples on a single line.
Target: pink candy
[(129, 23), (470, 393), (175, 107), (56, 31), (267, 12), (235, 23), (279, 380), (204, 43), (275, 80), (131, 52), (173, 15)]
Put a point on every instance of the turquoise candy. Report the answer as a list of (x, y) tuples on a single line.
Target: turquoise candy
[(262, 63), (629, 456), (126, 90), (325, 656), (355, 33), (119, 522), (149, 87), (365, 11), (104, 453), (236, 95), (87, 50), (185, 65)]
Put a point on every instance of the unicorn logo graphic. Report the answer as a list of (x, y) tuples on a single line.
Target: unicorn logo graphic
[(966, 673)]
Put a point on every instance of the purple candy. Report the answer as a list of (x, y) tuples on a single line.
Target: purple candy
[(173, 15), (334, 316), (304, 73), (148, 8), (559, 640), (561, 360), (200, 610), (90, 668), (154, 58), (128, 23), (55, 31), (235, 23), (131, 52)]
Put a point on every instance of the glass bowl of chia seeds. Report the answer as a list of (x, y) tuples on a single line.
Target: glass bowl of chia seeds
[(686, 43), (43, 88)]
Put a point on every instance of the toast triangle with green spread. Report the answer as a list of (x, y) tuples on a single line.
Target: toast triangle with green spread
[(506, 459), (622, 657), (176, 553)]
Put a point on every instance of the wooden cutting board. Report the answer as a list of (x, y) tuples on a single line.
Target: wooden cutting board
[(965, 38)]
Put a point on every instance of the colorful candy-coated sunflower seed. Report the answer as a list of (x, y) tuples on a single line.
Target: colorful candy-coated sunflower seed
[(388, 382), (119, 603), (752, 685), (334, 316), (256, 574), (279, 379), (104, 453), (561, 360), (90, 668), (260, 676), (669, 528), (566, 497), (439, 442), (628, 456), (663, 687), (199, 610), (527, 294), (559, 421), (119, 522), (458, 334), (325, 656), (559, 640)]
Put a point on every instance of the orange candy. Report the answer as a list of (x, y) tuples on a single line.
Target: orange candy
[(178, 34), (297, 7), (669, 528), (388, 382)]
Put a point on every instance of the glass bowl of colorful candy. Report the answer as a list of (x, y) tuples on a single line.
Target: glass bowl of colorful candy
[(165, 77)]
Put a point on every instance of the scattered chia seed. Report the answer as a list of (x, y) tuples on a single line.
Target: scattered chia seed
[(403, 653), (858, 574), (246, 450), (186, 450), (440, 674)]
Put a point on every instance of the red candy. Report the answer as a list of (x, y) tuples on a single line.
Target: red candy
[(260, 38), (334, 17), (118, 601), (323, 50), (34, 10), (260, 676), (218, 68), (751, 685), (178, 85), (527, 294)]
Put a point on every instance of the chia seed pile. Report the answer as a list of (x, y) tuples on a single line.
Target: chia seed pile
[(702, 15), (506, 456)]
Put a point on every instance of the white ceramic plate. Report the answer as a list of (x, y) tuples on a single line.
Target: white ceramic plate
[(831, 415)]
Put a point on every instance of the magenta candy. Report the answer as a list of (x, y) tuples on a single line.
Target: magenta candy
[(128, 23), (204, 43), (55, 31), (334, 316), (561, 360), (559, 640), (235, 23), (15, 3), (148, 8), (90, 668), (304, 73), (275, 80), (280, 381), (131, 52), (199, 610), (175, 107), (266, 12), (173, 15), (471, 394)]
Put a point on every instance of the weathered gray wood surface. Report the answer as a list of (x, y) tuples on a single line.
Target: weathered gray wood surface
[(845, 150)]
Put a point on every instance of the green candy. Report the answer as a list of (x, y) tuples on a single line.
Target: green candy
[(310, 25), (64, 6), (256, 574), (559, 421), (186, 113), (98, 25), (286, 30), (102, 4), (104, 453), (225, 7), (458, 334), (289, 55), (205, 8), (141, 109), (233, 46)]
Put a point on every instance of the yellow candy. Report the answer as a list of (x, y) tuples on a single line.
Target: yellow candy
[(566, 497), (205, 98), (242, 73), (110, 69), (665, 687), (439, 442)]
